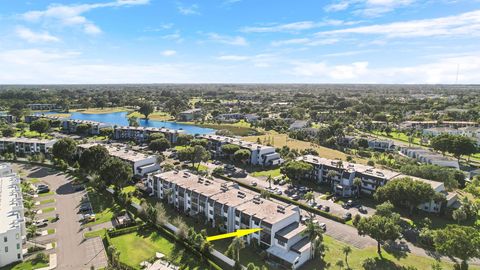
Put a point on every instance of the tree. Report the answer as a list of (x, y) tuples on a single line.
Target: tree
[(315, 234), (441, 143), (155, 136), (146, 109), (405, 192), (40, 125), (230, 149), (93, 158), (133, 121), (117, 172), (184, 139), (234, 248), (346, 250), (242, 155), (202, 142), (8, 132), (296, 170), (83, 129), (462, 146), (459, 215), (196, 154), (269, 180), (380, 228), (457, 241), (385, 209), (107, 132), (64, 149), (159, 145), (309, 196), (357, 182), (17, 109)]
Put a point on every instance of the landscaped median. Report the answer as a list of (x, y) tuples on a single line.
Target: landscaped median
[(286, 199)]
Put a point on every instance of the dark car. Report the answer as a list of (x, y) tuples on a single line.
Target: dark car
[(86, 207), (347, 216), (326, 208), (43, 190)]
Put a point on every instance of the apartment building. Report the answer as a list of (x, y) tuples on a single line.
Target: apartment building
[(71, 125), (141, 134), (5, 169), (142, 164), (435, 131), (223, 204), (43, 107), (382, 145), (429, 157), (371, 178), (12, 222), (190, 115), (420, 125), (26, 146), (7, 118), (259, 154), (345, 173)]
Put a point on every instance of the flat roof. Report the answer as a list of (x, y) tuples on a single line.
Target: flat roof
[(268, 210), (119, 151), (291, 230), (162, 129), (236, 141), (10, 199), (193, 182), (433, 184), (26, 140)]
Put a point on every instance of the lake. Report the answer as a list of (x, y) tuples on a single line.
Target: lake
[(120, 119)]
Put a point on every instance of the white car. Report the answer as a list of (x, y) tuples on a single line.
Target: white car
[(40, 222)]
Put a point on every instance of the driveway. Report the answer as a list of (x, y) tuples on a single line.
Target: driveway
[(73, 252)]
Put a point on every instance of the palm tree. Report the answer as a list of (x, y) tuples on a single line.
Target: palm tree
[(234, 248), (269, 180), (358, 183), (160, 158), (315, 235), (309, 196), (346, 250)]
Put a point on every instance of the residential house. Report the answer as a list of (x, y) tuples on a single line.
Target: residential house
[(259, 154), (225, 205), (190, 115), (141, 134), (142, 164), (26, 145), (12, 221), (429, 157)]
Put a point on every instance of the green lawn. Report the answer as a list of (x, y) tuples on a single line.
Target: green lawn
[(137, 247), (92, 234), (51, 231), (272, 173), (397, 135), (48, 209), (103, 206), (47, 201), (26, 265), (46, 194), (33, 180), (238, 129)]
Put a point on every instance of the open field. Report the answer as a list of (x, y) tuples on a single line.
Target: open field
[(238, 129), (26, 265), (101, 110), (146, 244), (159, 116), (280, 140)]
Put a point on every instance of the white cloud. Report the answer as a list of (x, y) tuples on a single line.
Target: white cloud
[(294, 26), (369, 8), (72, 15), (229, 40), (32, 37), (440, 71), (189, 10), (169, 53), (305, 41), (465, 24), (233, 58)]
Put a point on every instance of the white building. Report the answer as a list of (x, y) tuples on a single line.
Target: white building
[(223, 204), (5, 169), (429, 157), (70, 126), (26, 145), (435, 131), (141, 134), (12, 222), (259, 154), (142, 164)]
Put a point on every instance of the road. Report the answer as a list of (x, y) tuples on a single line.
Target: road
[(73, 252)]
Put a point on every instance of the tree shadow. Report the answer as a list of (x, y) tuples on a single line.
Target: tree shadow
[(378, 263), (65, 189), (39, 173), (398, 250)]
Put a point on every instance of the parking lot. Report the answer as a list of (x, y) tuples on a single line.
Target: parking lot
[(73, 251)]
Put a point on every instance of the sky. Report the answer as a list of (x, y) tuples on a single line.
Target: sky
[(239, 41)]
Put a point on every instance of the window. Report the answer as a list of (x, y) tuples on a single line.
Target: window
[(18, 246), (6, 249), (5, 239), (18, 256)]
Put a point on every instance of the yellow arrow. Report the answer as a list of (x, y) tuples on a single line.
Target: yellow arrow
[(238, 233)]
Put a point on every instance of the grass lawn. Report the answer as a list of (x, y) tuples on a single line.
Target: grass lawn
[(92, 234), (158, 116), (280, 140), (146, 243), (103, 206), (33, 180), (49, 209), (51, 231), (238, 129), (26, 265), (32, 134), (180, 147), (45, 194), (47, 201), (101, 110), (397, 135), (272, 173)]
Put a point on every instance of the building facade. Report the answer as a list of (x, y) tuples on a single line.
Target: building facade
[(429, 157), (259, 154), (71, 125), (224, 205), (141, 134), (190, 115), (26, 146), (12, 221)]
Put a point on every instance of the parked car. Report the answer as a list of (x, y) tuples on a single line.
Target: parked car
[(295, 197), (40, 222), (42, 189), (278, 192), (229, 167), (312, 203), (85, 207), (319, 206), (326, 208), (282, 182), (362, 210), (347, 216), (217, 162), (87, 218), (323, 226), (254, 184)]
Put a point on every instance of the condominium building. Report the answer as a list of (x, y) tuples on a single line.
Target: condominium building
[(142, 164), (26, 145), (5, 169), (7, 118), (190, 115), (419, 125), (342, 181), (429, 157), (141, 134), (71, 125), (259, 154), (12, 222), (43, 106), (223, 204)]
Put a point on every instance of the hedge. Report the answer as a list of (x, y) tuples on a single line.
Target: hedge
[(287, 200)]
